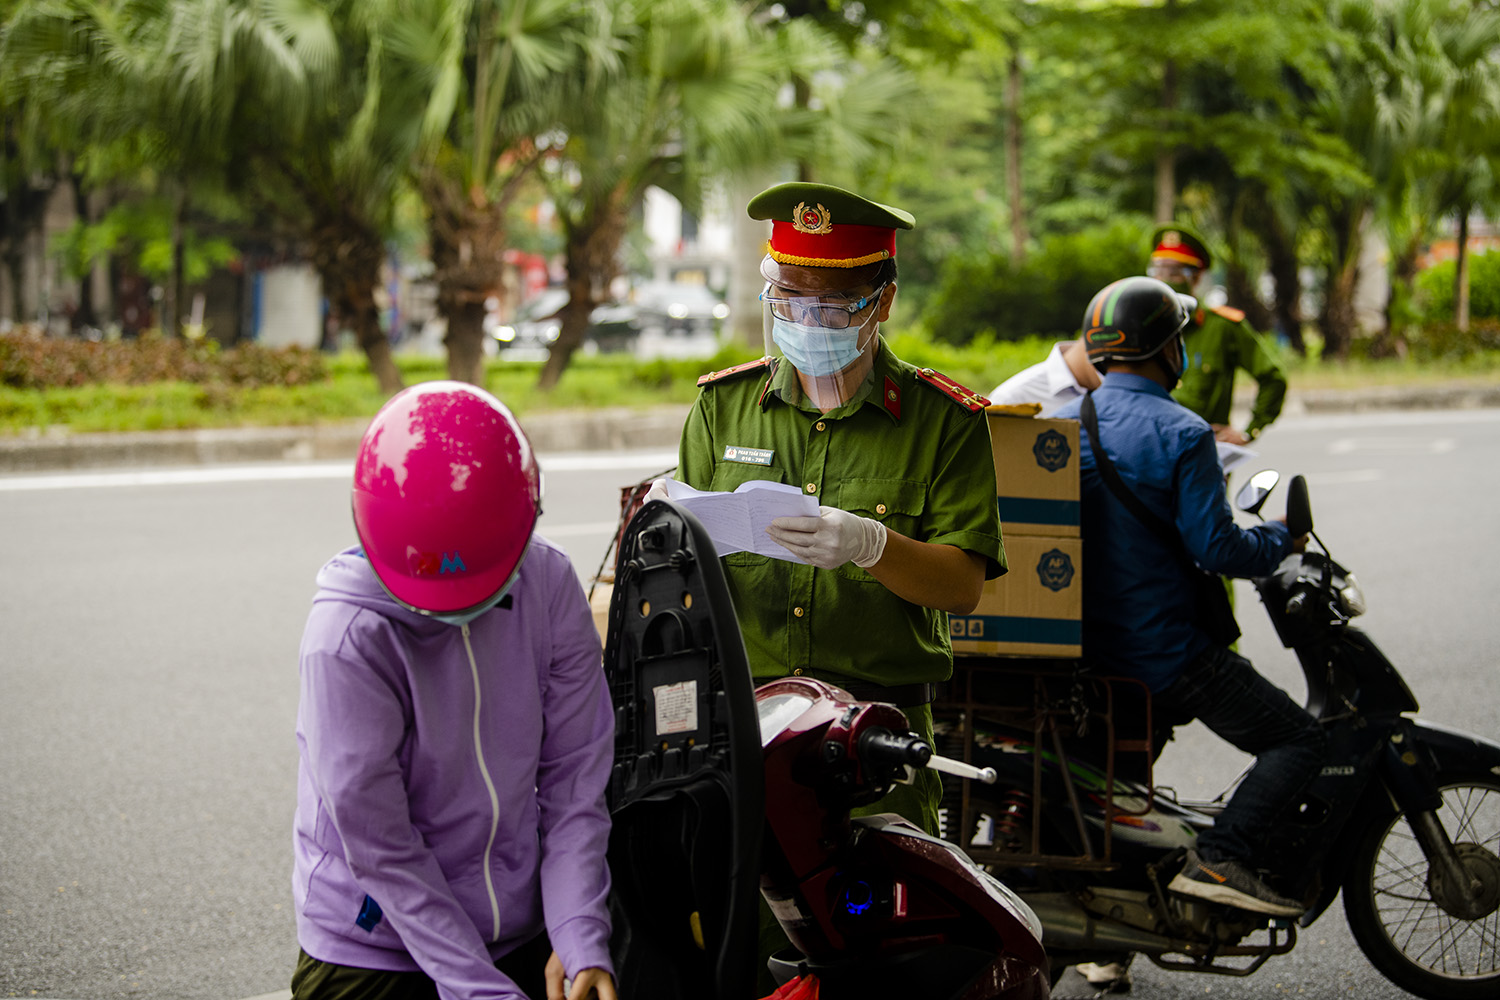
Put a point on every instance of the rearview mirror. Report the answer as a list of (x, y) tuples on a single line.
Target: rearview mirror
[(1252, 496)]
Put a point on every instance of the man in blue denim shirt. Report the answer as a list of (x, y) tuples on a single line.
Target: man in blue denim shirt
[(1140, 592)]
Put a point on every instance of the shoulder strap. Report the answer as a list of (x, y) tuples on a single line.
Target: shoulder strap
[(1161, 529)]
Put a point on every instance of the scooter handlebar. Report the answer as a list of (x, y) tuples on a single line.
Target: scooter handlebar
[(881, 747), (947, 765)]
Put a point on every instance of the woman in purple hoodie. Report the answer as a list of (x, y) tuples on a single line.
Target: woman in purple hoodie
[(455, 730)]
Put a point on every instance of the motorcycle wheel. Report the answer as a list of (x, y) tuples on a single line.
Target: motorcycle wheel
[(1393, 911)]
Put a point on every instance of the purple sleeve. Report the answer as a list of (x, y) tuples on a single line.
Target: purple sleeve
[(577, 754), (353, 721)]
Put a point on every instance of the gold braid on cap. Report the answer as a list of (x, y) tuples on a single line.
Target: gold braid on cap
[(786, 258)]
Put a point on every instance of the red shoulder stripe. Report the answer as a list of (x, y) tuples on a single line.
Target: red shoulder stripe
[(744, 369), (960, 394)]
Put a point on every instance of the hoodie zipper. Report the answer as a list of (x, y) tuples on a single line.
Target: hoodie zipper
[(489, 784)]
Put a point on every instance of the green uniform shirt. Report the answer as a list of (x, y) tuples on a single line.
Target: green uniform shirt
[(901, 452), (1216, 346)]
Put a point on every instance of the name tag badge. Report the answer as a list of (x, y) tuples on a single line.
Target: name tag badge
[(748, 456)]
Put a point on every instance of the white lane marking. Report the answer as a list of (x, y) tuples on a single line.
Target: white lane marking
[(560, 462), (1368, 419), (1392, 446), (1348, 476)]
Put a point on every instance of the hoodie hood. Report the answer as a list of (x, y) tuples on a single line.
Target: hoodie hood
[(349, 577)]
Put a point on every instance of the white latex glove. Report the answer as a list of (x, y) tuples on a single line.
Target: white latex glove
[(831, 539), (658, 491)]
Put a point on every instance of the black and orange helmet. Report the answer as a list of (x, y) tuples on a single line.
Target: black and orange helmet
[(1132, 319)]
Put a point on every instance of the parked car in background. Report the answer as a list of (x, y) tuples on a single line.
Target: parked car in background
[(661, 319), (530, 335), (677, 319)]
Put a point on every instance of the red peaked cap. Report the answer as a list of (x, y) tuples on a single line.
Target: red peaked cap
[(824, 238), (1179, 243)]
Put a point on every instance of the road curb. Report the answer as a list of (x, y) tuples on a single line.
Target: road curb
[(591, 430), (575, 430)]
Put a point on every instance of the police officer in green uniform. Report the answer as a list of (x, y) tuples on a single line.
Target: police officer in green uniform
[(898, 457), (1218, 341)]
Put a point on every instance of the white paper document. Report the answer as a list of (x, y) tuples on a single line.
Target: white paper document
[(737, 521), (1231, 456)]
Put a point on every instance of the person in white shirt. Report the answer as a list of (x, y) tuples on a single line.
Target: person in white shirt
[(1064, 375)]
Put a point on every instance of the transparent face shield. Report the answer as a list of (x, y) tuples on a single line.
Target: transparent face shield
[(829, 339), (1182, 278)]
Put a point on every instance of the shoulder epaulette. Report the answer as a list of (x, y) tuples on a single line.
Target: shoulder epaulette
[(1229, 312), (960, 394), (759, 364)]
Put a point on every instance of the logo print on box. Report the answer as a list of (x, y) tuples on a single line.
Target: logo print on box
[(1051, 450), (1055, 569)]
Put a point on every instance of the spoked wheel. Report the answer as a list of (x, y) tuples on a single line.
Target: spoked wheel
[(1420, 933)]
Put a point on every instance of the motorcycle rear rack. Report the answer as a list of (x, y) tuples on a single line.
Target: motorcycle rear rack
[(1047, 699)]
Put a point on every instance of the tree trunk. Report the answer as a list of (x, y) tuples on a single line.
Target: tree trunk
[(171, 302), (1282, 263), (468, 243), (1403, 269), (1018, 234), (1243, 294), (592, 255), (1166, 157), (347, 257), (1461, 274), (84, 315)]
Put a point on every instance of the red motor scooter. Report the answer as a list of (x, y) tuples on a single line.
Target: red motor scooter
[(721, 793)]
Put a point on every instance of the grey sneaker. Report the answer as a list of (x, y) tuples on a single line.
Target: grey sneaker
[(1232, 884)]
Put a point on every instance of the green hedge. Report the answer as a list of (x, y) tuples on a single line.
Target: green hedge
[(1434, 288), (1046, 294), (28, 361)]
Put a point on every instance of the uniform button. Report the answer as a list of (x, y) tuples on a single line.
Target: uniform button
[(812, 487), (797, 672), (880, 508), (822, 425), (798, 612)]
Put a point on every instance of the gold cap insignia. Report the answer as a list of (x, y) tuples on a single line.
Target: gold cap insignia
[(816, 221), (1171, 238)]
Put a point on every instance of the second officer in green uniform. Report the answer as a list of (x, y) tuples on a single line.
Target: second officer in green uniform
[(898, 457), (1218, 341)]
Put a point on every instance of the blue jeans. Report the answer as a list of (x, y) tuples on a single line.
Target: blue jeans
[(1223, 691)]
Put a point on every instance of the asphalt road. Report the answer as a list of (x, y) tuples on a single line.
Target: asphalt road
[(148, 671)]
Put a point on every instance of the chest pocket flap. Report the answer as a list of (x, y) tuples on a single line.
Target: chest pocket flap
[(883, 499)]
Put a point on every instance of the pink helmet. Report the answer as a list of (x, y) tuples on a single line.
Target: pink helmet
[(446, 494)]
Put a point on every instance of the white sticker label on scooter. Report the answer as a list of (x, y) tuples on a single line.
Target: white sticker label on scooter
[(676, 707)]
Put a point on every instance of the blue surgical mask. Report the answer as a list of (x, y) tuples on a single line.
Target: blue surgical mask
[(816, 350)]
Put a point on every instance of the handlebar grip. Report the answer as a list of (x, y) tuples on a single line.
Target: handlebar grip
[(881, 746)]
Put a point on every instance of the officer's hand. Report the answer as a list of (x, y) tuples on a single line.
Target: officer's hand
[(1223, 432), (831, 539), (658, 491)]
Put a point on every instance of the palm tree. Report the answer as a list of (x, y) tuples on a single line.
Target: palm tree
[(161, 85), (493, 71), (695, 99), (337, 183)]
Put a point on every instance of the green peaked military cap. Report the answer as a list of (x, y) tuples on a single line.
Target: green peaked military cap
[(818, 226), (1175, 241)]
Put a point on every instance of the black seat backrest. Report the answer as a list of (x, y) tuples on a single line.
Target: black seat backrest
[(686, 793)]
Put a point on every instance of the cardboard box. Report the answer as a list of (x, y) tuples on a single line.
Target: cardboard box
[(1036, 474), (1034, 609)]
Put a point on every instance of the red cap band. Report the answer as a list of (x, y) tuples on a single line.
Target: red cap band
[(846, 245)]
